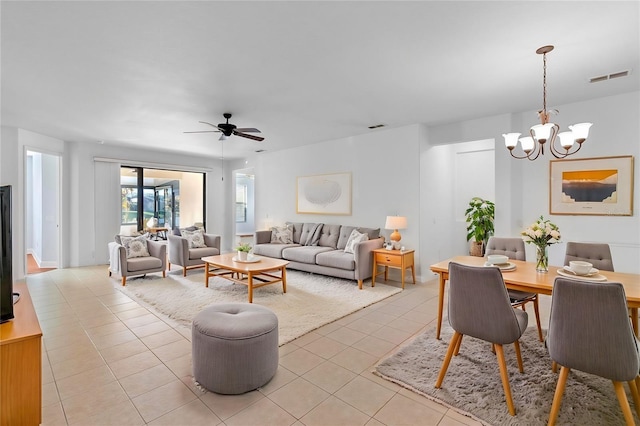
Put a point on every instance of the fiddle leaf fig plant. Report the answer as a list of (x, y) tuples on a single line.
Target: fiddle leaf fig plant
[(479, 217)]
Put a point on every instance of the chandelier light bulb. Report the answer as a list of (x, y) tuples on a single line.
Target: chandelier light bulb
[(542, 132)]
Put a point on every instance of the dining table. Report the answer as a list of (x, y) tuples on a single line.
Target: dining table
[(524, 277)]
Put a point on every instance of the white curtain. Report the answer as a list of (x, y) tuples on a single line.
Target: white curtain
[(107, 197)]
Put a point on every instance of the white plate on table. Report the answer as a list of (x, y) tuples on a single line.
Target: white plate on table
[(503, 266), (249, 260), (597, 277)]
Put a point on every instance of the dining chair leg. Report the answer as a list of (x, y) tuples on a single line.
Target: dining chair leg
[(445, 364), (516, 344), (505, 379), (554, 366), (557, 397), (536, 309), (624, 403), (457, 351), (634, 393)]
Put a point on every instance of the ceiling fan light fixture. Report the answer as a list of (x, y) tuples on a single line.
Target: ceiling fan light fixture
[(546, 132), (223, 137)]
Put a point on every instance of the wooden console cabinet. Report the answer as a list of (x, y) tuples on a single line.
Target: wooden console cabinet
[(21, 364)]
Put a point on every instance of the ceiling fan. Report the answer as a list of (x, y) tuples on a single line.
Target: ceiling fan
[(227, 129)]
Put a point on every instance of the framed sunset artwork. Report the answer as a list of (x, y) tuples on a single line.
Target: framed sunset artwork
[(592, 186)]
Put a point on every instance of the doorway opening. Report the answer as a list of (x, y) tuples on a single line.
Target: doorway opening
[(42, 212), (244, 203)]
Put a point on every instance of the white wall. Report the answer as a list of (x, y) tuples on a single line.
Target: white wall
[(385, 173), (522, 186)]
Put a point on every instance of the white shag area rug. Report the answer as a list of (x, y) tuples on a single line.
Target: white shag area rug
[(310, 302)]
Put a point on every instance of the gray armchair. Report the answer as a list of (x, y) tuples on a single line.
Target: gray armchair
[(514, 249), (589, 331), (479, 307), (598, 254), (127, 267), (180, 253)]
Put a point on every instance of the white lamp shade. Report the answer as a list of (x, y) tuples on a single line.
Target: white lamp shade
[(542, 131), (511, 139), (396, 222), (527, 144), (566, 139), (580, 130)]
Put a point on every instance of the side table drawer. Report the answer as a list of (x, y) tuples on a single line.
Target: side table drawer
[(388, 260)]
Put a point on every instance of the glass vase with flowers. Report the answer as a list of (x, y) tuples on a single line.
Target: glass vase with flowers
[(542, 233)]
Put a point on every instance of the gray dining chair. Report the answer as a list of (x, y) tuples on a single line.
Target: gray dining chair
[(479, 307), (589, 331), (513, 248), (598, 254)]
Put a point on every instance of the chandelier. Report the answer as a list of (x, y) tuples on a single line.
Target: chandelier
[(546, 132)]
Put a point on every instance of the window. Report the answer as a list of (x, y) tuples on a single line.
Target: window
[(168, 195), (241, 202)]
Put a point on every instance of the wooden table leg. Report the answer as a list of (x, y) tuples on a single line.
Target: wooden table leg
[(375, 270), (440, 305), (250, 286), (402, 274), (284, 279), (413, 273), (206, 274), (386, 273)]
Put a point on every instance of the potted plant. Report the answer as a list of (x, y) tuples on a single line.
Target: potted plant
[(243, 250), (479, 217)]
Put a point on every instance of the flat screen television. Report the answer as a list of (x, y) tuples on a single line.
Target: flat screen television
[(6, 286)]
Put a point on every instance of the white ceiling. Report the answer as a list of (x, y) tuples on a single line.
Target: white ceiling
[(142, 73)]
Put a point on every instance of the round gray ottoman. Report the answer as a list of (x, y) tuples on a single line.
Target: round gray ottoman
[(235, 347)]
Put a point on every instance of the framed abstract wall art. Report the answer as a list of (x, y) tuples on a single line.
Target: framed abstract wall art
[(324, 194), (592, 186)]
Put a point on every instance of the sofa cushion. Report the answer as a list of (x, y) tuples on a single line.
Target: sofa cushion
[(329, 236), (143, 263), (297, 231), (310, 234), (135, 246), (303, 254), (345, 233), (336, 259), (272, 250), (282, 234), (354, 239), (195, 238), (198, 253)]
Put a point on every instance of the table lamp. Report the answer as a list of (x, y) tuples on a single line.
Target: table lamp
[(395, 223)]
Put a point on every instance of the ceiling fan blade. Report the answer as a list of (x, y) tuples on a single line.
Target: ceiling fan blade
[(212, 125), (204, 131), (244, 135), (248, 130)]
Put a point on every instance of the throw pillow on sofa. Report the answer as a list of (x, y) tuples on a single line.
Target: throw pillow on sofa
[(282, 234), (135, 246), (194, 238), (354, 239)]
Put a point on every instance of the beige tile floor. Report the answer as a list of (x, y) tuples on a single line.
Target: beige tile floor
[(107, 360)]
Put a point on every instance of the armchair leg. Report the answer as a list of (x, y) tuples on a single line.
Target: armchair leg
[(184, 271), (360, 284), (557, 397), (164, 274), (505, 379), (624, 403), (169, 265), (124, 281)]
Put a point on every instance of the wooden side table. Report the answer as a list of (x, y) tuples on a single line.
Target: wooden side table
[(401, 259)]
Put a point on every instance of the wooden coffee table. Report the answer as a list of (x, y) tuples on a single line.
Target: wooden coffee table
[(254, 274)]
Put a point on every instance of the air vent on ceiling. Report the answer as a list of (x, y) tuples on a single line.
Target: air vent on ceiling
[(624, 73), (260, 150), (376, 126)]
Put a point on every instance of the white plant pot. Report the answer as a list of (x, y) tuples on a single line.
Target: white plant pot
[(242, 255)]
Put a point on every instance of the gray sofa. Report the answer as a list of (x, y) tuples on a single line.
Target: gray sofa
[(319, 248)]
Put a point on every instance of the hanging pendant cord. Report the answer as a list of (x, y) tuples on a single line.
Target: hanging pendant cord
[(222, 153), (544, 84)]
